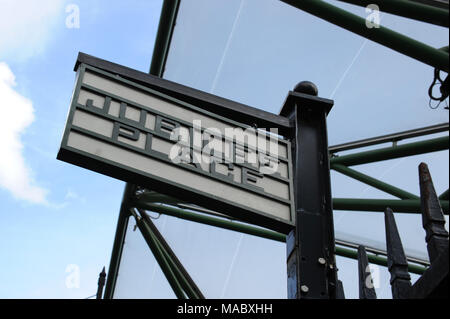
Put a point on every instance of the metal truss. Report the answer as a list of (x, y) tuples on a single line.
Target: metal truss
[(434, 277)]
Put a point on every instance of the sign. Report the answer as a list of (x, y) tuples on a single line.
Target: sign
[(129, 131)]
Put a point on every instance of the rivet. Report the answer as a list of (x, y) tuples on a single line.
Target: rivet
[(304, 288), (322, 261)]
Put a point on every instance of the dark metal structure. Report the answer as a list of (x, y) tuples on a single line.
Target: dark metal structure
[(435, 280), (366, 287), (311, 267), (101, 283)]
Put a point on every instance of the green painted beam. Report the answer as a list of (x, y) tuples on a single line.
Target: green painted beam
[(387, 188), (119, 239), (154, 197), (177, 272), (382, 154), (161, 258), (188, 284), (408, 9), (382, 35), (164, 36), (212, 221), (444, 195), (379, 205), (255, 231)]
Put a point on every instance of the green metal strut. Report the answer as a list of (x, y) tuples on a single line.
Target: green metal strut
[(185, 284), (159, 256), (408, 9), (382, 35), (387, 188), (444, 195), (382, 154), (378, 205), (164, 36), (255, 231)]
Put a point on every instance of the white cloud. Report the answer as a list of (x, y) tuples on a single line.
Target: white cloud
[(17, 114), (26, 26), (73, 196)]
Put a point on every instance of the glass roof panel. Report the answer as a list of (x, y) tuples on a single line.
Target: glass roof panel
[(139, 276), (255, 51)]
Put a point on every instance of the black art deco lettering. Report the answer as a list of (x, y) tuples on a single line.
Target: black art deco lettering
[(250, 178), (123, 111), (213, 171), (268, 165), (165, 127), (125, 131), (106, 104)]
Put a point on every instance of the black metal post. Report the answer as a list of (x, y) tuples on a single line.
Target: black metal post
[(101, 283), (435, 280), (340, 294), (397, 263), (432, 215), (366, 289), (311, 265)]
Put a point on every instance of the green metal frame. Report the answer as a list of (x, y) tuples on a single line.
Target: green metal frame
[(395, 151), (378, 205), (385, 187), (444, 195), (160, 256), (408, 9), (409, 203), (382, 35), (187, 283), (252, 230), (166, 26), (119, 239)]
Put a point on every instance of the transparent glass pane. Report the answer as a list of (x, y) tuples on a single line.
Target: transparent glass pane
[(368, 227), (139, 275), (224, 263), (255, 51)]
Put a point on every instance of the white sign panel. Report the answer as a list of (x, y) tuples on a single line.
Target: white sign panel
[(128, 131)]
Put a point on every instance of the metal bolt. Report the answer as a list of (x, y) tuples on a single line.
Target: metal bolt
[(331, 266), (304, 288), (322, 261)]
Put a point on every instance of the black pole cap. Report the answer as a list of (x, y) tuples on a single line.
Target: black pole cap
[(305, 93), (306, 87)]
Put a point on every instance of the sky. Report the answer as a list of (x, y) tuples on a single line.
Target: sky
[(57, 221)]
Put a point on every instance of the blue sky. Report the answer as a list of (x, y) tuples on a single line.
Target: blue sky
[(54, 215)]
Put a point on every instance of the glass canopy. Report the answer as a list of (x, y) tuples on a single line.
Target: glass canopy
[(254, 52)]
